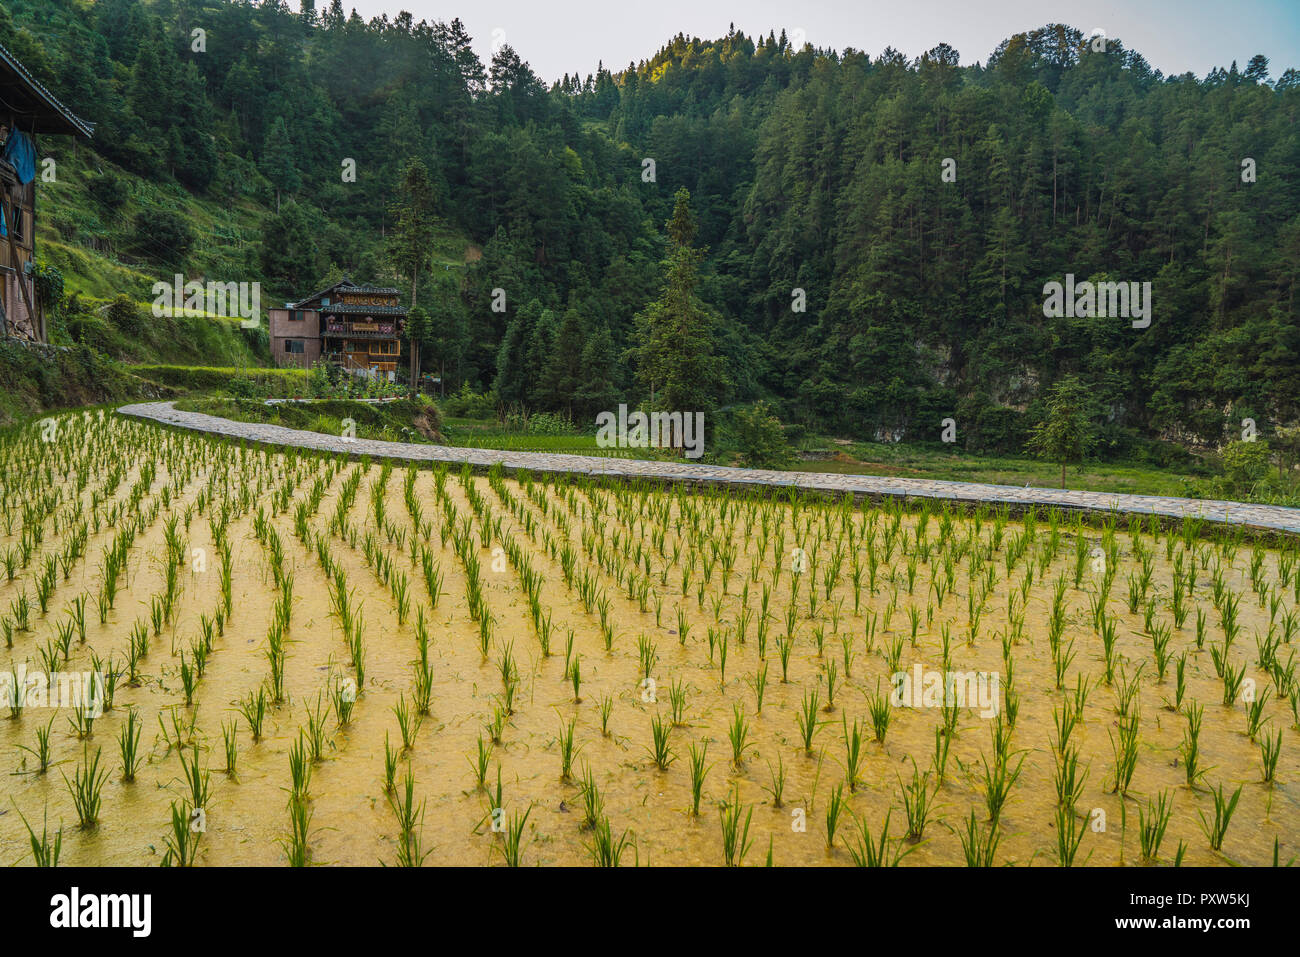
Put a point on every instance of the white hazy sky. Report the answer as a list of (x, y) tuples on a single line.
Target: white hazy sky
[(574, 35)]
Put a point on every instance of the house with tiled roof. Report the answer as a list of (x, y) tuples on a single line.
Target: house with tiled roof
[(355, 326), (27, 110)]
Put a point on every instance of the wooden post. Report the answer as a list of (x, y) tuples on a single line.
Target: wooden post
[(27, 299)]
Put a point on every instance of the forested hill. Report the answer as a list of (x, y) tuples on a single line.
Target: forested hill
[(807, 170)]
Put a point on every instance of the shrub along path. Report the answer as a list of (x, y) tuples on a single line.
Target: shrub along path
[(1260, 517)]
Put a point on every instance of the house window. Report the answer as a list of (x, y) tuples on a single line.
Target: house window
[(295, 315), (384, 348), (294, 346)]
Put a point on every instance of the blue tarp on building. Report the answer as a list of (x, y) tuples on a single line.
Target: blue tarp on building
[(20, 153)]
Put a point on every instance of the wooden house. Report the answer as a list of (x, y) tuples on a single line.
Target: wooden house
[(357, 327), (27, 110)]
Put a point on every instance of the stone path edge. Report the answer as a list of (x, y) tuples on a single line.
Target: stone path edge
[(1268, 519)]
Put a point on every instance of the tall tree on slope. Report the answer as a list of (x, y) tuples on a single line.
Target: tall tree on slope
[(409, 248)]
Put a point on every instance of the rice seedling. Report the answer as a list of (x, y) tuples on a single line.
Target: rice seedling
[(939, 760), (831, 672), (777, 790), (410, 818), (1069, 836), (1125, 749), (1217, 829), (343, 698), (299, 768), (807, 718), (738, 735), (181, 845), (1232, 681), (197, 781), (759, 684), (834, 808), (86, 789), (647, 655), (568, 750), (894, 654), (869, 852), (512, 844), (1153, 821), (296, 844), (979, 845), (998, 782), (698, 772), (1190, 749), (606, 850), (1270, 749), (881, 712), (853, 753), (676, 702), (604, 707), (735, 819), (49, 655), (230, 743), (1180, 683), (918, 802), (479, 763), (496, 727), (129, 744), (408, 722), (45, 852), (253, 708), (1069, 782), (1255, 713)]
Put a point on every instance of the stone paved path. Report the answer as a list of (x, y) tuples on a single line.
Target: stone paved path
[(1264, 517)]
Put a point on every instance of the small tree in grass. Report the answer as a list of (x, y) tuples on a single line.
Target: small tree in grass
[(760, 438), (1069, 431), (1245, 465)]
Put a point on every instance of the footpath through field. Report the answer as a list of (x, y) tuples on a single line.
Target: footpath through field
[(1263, 517)]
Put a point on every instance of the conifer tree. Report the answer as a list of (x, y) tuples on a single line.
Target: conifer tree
[(674, 352)]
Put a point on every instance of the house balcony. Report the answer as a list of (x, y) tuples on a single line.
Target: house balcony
[(360, 330)]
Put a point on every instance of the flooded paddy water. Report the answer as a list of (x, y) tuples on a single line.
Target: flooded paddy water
[(1099, 659)]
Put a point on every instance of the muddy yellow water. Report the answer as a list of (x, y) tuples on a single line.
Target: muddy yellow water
[(614, 532)]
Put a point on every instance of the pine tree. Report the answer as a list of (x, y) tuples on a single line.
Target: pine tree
[(598, 390), (674, 354), (541, 344), (409, 245), (278, 160), (512, 381), (562, 377), (448, 333)]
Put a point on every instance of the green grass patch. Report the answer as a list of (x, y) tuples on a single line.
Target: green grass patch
[(272, 383), (400, 420)]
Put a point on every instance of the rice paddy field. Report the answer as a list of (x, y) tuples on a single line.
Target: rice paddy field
[(302, 659)]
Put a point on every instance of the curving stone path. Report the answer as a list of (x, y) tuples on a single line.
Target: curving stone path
[(1274, 518)]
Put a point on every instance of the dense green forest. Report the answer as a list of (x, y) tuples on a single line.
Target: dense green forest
[(807, 170)]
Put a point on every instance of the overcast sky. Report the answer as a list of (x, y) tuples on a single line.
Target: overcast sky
[(574, 35)]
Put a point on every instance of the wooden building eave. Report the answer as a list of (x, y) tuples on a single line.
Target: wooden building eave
[(36, 109)]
